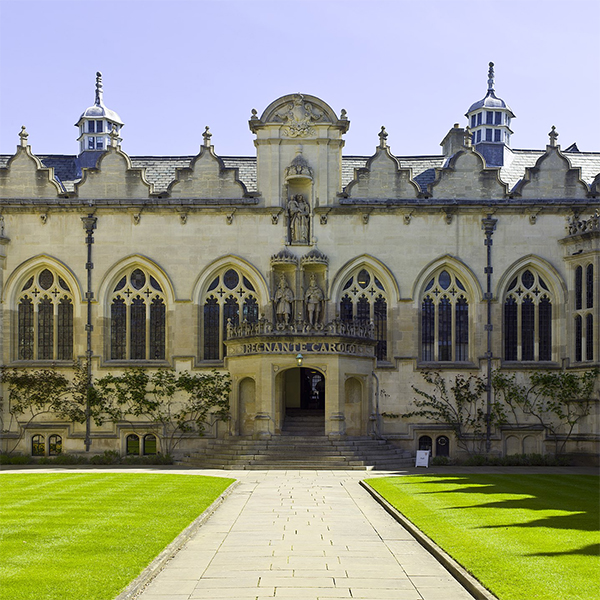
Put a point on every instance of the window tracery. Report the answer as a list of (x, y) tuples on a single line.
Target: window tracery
[(584, 318), (45, 318), (230, 297), (528, 318), (364, 299), (137, 318), (445, 319)]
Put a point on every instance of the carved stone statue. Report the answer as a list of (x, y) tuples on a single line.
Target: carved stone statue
[(298, 212), (313, 299), (283, 301), (298, 116)]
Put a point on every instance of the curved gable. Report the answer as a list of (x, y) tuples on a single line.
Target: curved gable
[(113, 177), (466, 177)]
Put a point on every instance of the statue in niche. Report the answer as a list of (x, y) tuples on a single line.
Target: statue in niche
[(283, 301), (313, 298), (298, 211)]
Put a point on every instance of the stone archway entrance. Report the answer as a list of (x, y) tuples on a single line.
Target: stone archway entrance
[(303, 402)]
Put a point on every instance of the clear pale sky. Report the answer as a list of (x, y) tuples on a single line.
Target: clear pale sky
[(171, 67)]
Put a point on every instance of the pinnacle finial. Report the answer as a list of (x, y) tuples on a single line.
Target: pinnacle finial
[(207, 135), (23, 135), (468, 143), (553, 135), (383, 137), (491, 78), (99, 92)]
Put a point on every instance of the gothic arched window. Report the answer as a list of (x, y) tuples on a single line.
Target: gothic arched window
[(230, 298), (137, 318), (584, 318), (45, 318), (528, 318), (364, 299), (445, 319)]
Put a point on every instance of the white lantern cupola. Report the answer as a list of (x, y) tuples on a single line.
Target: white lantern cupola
[(489, 121), (95, 126)]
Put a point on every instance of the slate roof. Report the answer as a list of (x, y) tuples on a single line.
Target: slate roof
[(160, 170)]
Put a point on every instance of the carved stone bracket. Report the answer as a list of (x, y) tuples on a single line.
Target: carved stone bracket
[(229, 217), (533, 216), (275, 216), (408, 217), (44, 218), (323, 217), (183, 218)]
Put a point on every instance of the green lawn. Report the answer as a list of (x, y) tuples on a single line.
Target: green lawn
[(522, 536), (71, 536)]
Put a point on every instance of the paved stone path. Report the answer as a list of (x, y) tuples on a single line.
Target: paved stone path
[(305, 535)]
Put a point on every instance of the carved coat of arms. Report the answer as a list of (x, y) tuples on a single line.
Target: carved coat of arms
[(298, 117)]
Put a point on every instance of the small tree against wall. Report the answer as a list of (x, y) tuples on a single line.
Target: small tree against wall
[(461, 406), (558, 401), (175, 404)]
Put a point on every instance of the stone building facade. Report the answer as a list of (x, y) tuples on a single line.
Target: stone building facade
[(317, 280)]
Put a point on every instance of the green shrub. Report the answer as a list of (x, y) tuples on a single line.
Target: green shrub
[(110, 457), (440, 461), (6, 459), (63, 459)]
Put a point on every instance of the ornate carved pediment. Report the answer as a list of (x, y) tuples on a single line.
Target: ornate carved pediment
[(315, 257), (284, 257), (299, 113)]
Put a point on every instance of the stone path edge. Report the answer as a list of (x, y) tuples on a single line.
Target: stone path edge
[(156, 566), (473, 586)]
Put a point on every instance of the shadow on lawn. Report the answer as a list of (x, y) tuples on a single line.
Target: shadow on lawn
[(565, 493), (591, 550)]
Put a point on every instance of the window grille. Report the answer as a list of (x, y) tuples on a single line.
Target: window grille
[(528, 319), (445, 319), (365, 300), (230, 297), (138, 318), (45, 318)]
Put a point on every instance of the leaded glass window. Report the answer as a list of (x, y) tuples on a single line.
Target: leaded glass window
[(132, 444), (229, 298), (38, 445), (150, 446), (528, 318), (54, 445), (364, 300), (445, 319), (45, 318), (584, 304), (138, 318)]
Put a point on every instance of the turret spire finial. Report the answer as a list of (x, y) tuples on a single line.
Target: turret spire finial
[(23, 135), (383, 137), (491, 78), (553, 136), (99, 93)]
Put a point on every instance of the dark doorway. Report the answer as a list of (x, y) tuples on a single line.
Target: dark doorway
[(312, 389), (442, 446)]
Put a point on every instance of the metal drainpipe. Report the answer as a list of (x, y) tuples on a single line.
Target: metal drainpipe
[(377, 415), (488, 224), (89, 224)]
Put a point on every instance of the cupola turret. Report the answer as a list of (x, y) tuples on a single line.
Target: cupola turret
[(489, 121), (95, 125)]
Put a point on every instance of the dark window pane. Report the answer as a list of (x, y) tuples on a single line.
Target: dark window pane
[(348, 283), (65, 329), (527, 329), (425, 442), (489, 117), (231, 279), (26, 330), (444, 330), (231, 314), (150, 444), (578, 338), (133, 444), (498, 119), (488, 135), (28, 284), (118, 329), (427, 329), (250, 310), (99, 126), (63, 284), (91, 127), (444, 280), (528, 279), (157, 329), (54, 445), (510, 329), (589, 285), (45, 330), (462, 330), (46, 279), (589, 337), (497, 135), (473, 120), (138, 279), (211, 329), (379, 284), (545, 329), (346, 309), (38, 445), (248, 285), (363, 278), (213, 285), (460, 284), (121, 284), (380, 314), (363, 309), (137, 341), (155, 285), (512, 284), (578, 288), (429, 285), (479, 117), (543, 284)]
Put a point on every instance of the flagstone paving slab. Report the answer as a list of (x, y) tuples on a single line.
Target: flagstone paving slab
[(306, 535)]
